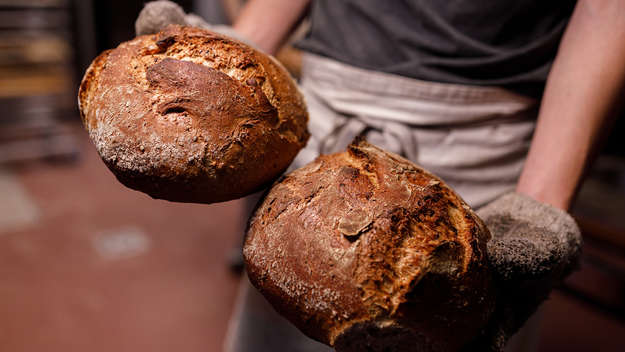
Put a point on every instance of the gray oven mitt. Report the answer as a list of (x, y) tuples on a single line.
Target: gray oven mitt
[(156, 15), (534, 246)]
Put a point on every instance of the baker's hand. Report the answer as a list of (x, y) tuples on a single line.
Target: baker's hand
[(534, 246), (156, 15)]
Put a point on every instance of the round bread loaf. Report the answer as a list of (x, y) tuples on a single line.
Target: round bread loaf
[(189, 115), (365, 251)]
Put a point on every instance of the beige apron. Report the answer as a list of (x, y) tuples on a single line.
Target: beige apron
[(474, 138)]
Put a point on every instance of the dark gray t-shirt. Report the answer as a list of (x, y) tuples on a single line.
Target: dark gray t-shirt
[(476, 42)]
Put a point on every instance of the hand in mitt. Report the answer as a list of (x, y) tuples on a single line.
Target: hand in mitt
[(534, 246), (156, 15)]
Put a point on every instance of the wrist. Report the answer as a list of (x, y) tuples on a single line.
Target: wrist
[(547, 195)]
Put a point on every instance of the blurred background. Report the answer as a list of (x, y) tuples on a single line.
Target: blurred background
[(88, 265)]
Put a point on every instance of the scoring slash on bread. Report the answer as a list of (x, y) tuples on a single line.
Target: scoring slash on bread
[(189, 115), (365, 251)]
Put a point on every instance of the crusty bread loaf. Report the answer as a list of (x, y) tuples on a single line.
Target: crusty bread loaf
[(365, 251), (189, 115)]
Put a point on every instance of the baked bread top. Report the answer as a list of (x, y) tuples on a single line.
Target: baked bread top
[(365, 251), (190, 115)]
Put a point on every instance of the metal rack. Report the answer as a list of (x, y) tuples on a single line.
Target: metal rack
[(36, 80)]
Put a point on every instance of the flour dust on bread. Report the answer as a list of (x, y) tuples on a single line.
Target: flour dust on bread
[(193, 116), (365, 251)]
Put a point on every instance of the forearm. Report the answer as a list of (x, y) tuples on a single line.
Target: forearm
[(581, 93), (267, 23)]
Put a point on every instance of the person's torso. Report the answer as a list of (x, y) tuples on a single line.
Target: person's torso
[(487, 42)]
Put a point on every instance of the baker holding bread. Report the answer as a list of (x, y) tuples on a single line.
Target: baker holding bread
[(502, 100)]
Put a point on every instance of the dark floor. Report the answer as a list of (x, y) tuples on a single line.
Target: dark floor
[(104, 268), (93, 266)]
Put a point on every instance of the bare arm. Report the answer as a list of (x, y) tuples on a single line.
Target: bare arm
[(582, 90), (267, 23)]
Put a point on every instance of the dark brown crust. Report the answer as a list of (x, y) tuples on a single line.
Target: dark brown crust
[(189, 115), (364, 250)]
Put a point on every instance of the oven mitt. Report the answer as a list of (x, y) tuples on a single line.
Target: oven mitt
[(156, 15), (534, 246)]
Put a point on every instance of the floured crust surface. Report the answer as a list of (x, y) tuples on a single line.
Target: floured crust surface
[(189, 115), (365, 251)]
